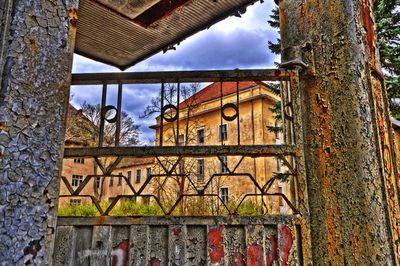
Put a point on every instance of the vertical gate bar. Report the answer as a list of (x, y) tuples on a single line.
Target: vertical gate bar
[(301, 197), (178, 111), (219, 129), (102, 114), (283, 102), (162, 114), (119, 115), (238, 113)]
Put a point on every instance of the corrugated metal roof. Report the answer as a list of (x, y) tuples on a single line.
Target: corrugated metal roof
[(110, 35)]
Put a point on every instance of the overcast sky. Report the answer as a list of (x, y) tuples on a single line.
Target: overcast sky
[(230, 44)]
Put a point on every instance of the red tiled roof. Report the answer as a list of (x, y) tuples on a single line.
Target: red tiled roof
[(213, 91), (129, 162)]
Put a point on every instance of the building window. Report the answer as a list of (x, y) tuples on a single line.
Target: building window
[(119, 179), (97, 182), (200, 170), (138, 175), (75, 202), (76, 180), (79, 160), (111, 181), (181, 139), (200, 136), (224, 164), (224, 194), (223, 132), (129, 176), (148, 172)]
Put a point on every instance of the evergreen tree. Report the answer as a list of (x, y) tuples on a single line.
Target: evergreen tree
[(387, 17)]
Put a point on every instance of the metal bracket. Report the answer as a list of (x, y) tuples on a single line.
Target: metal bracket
[(298, 56)]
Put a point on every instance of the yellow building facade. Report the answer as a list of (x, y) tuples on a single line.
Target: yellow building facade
[(226, 180)]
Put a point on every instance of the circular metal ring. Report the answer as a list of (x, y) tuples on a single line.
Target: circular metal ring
[(231, 117), (166, 108), (107, 109)]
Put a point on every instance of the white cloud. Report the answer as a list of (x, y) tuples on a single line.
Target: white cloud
[(232, 43)]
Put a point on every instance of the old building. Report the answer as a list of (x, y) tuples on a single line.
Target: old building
[(75, 170), (203, 122), (200, 123)]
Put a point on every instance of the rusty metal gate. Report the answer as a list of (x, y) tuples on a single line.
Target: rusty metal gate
[(224, 236)]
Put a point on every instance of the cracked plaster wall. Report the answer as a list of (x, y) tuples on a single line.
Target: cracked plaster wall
[(37, 44)]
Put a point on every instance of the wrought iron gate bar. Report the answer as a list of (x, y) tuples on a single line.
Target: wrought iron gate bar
[(168, 220), (180, 76), (188, 151)]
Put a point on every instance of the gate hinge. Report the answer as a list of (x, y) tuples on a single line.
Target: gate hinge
[(299, 56)]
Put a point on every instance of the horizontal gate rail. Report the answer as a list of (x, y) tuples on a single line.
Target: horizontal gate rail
[(188, 151), (180, 76), (189, 220)]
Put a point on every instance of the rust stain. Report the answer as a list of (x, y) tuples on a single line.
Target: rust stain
[(159, 11), (73, 17), (368, 24), (120, 254), (272, 254), (389, 174), (2, 125), (34, 46), (255, 255), (321, 109), (154, 262), (238, 258), (177, 231), (100, 220), (215, 248), (302, 17)]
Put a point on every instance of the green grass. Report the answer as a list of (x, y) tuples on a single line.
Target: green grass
[(192, 208)]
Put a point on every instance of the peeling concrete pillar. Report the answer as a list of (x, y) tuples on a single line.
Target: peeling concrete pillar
[(37, 39), (353, 197)]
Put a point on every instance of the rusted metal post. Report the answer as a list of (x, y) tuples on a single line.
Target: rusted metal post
[(353, 197), (37, 39)]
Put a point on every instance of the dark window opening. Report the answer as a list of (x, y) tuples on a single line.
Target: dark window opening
[(223, 132), (76, 180), (119, 179), (200, 136), (138, 175), (97, 182), (129, 176), (75, 202), (224, 194), (200, 170), (79, 160)]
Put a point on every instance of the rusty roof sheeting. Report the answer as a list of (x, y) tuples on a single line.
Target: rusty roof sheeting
[(106, 35)]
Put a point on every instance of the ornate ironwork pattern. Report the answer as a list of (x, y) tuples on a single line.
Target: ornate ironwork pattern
[(170, 156)]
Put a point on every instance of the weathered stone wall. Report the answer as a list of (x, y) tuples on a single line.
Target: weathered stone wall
[(353, 202), (152, 241), (38, 48)]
